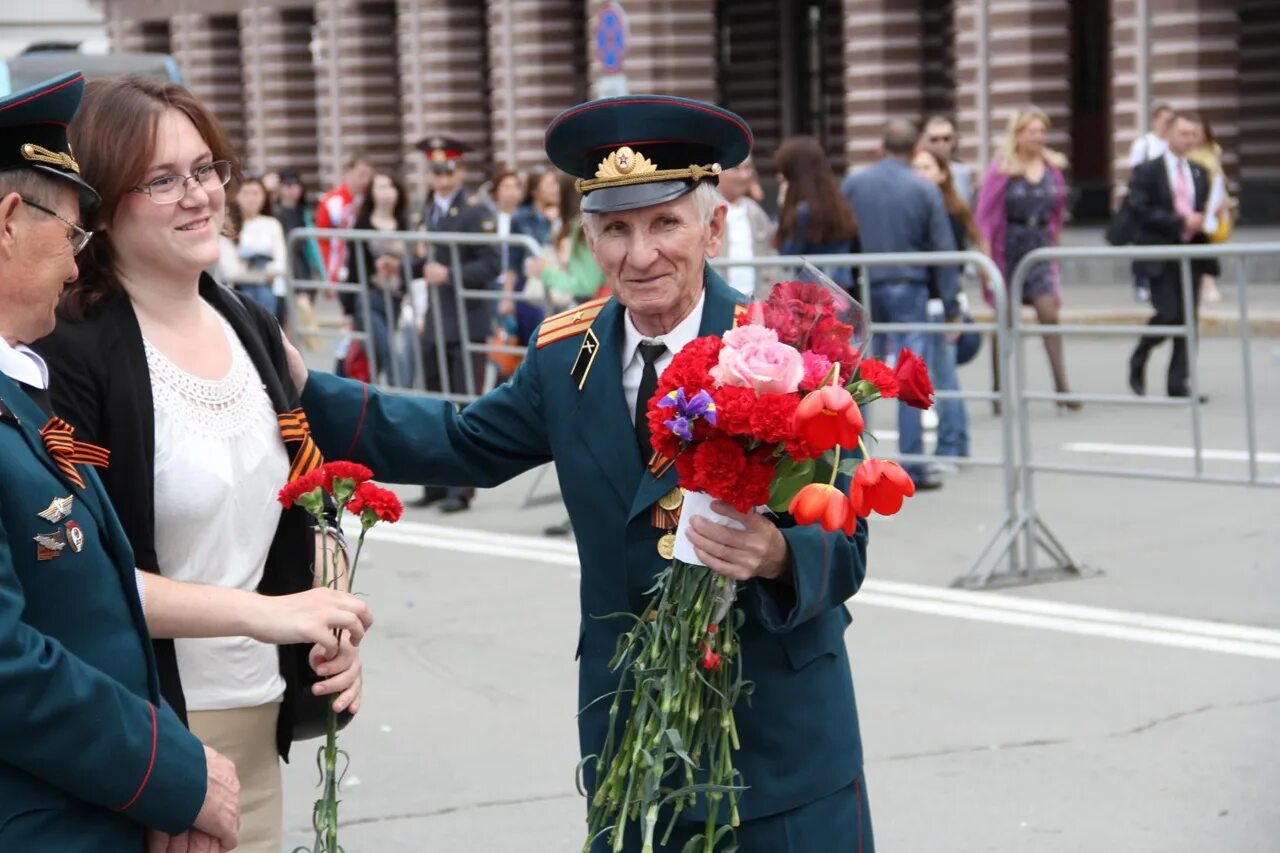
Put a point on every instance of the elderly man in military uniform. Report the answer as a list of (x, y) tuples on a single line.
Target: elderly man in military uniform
[(647, 166), (90, 756), (449, 209)]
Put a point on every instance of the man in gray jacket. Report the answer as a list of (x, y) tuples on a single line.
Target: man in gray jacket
[(898, 211)]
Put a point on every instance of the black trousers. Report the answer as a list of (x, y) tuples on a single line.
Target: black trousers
[(453, 355), (1166, 298)]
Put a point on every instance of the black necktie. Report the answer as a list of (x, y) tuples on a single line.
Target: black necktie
[(650, 352), (40, 396)]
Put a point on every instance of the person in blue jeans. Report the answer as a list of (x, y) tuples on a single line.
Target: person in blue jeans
[(953, 415), (898, 211)]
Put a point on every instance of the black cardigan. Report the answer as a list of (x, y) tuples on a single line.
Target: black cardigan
[(100, 384)]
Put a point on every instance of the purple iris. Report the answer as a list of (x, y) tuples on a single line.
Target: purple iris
[(688, 411)]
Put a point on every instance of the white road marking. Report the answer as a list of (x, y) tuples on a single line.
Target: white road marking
[(1167, 451), (1133, 626)]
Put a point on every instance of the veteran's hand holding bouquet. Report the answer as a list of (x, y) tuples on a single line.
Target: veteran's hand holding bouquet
[(763, 421)]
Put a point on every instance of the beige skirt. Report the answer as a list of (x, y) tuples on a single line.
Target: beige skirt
[(247, 736)]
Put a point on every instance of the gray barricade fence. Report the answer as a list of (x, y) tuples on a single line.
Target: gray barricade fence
[(408, 364), (1032, 532)]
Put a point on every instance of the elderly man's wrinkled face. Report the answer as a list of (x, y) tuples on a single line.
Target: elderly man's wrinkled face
[(653, 257)]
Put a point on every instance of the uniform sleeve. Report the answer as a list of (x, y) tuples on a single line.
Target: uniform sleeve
[(406, 439), (72, 726), (826, 570)]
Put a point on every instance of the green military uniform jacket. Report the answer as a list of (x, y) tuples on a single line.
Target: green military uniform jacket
[(89, 754), (799, 732)]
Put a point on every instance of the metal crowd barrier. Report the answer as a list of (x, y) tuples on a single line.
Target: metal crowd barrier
[(1030, 529), (360, 287), (1011, 552)]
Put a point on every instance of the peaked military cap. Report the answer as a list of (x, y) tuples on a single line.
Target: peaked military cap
[(443, 152), (33, 131), (640, 150)]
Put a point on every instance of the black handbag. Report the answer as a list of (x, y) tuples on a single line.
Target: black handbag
[(1123, 227)]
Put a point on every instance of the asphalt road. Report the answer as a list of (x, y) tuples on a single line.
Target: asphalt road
[(1138, 710)]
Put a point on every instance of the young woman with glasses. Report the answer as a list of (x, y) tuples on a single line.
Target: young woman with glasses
[(183, 381)]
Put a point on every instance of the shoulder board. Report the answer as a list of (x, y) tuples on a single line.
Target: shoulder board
[(568, 323)]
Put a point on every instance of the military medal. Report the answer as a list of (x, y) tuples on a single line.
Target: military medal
[(75, 536), (586, 357), (58, 509), (50, 545), (672, 500), (667, 546)]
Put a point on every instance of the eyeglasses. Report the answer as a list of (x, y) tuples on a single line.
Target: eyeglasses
[(77, 236), (171, 189)]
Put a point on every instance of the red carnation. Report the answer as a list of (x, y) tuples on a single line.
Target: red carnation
[(383, 503), (733, 409), (772, 417), (879, 374), (914, 387), (718, 461), (340, 469), (303, 485), (691, 367), (831, 338)]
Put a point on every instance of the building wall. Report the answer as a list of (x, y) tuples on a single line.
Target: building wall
[(493, 73)]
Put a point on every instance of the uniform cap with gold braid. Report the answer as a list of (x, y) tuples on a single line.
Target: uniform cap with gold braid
[(641, 150), (33, 131), (443, 153)]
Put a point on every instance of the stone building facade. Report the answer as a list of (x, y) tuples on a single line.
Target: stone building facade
[(305, 84)]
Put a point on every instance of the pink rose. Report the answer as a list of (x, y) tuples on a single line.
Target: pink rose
[(816, 368), (753, 358)]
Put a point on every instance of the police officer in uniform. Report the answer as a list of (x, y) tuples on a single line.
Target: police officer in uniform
[(448, 209), (647, 165), (91, 758)]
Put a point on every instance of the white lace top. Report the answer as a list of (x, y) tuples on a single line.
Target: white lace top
[(219, 463)]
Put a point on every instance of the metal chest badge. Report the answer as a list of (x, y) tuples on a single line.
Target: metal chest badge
[(58, 509), (75, 536), (50, 545)]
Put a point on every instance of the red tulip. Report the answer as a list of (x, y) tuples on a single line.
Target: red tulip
[(822, 504), (828, 417), (879, 485)]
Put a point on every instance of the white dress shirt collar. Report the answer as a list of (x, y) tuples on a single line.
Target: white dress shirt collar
[(685, 331), (23, 365)]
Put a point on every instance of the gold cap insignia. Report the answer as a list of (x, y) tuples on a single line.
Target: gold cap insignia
[(627, 166), (39, 154), (625, 163), (437, 156)]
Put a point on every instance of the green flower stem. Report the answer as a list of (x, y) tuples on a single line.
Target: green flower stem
[(835, 467)]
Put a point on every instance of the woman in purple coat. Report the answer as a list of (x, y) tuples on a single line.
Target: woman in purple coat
[(1020, 209)]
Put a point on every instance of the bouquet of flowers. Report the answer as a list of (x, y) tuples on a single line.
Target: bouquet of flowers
[(341, 488), (766, 416)]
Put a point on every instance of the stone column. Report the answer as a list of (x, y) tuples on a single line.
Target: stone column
[(444, 77), (883, 73), (280, 89), (357, 86), (207, 50), (1029, 64), (536, 69)]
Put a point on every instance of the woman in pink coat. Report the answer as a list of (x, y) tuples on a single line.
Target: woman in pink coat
[(1021, 208)]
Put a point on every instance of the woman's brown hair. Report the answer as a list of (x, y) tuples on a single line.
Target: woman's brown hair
[(113, 135), (803, 164), (955, 205)]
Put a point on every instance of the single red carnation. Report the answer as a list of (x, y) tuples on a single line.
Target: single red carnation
[(717, 463), (383, 503), (690, 368), (879, 374), (733, 409), (340, 469), (832, 339), (687, 473), (303, 485), (772, 417)]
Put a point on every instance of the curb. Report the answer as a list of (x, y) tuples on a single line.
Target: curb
[(1217, 324)]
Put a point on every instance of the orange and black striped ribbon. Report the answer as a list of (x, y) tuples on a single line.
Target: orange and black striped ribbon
[(59, 440), (665, 519), (295, 430)]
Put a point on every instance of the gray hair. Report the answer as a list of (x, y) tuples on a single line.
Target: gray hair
[(32, 184), (706, 198)]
